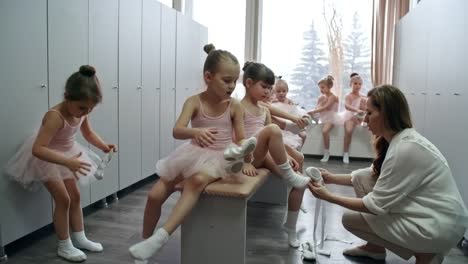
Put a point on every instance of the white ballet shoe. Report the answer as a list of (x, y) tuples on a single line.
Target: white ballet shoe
[(313, 173), (234, 167), (234, 152)]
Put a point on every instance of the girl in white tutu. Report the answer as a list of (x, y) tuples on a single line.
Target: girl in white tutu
[(327, 108), (215, 117), (355, 104), (53, 157), (270, 152)]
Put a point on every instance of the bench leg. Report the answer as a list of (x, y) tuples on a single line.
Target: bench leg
[(273, 191), (215, 232)]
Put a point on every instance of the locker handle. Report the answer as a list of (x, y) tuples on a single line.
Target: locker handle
[(43, 86), (115, 87), (423, 93), (158, 88), (437, 93), (456, 93), (139, 87)]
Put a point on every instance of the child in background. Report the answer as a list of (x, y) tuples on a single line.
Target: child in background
[(355, 104), (327, 108)]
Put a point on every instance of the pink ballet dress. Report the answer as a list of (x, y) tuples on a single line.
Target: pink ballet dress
[(253, 124), (289, 138), (329, 115), (189, 158), (29, 170), (349, 115)]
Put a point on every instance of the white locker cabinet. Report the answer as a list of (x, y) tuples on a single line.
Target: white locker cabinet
[(24, 92), (130, 89), (151, 83), (103, 52), (168, 51)]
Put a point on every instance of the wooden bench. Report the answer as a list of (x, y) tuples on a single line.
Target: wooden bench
[(360, 147), (215, 230)]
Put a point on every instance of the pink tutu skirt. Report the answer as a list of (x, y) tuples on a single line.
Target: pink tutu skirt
[(30, 171), (189, 159), (291, 139), (330, 117)]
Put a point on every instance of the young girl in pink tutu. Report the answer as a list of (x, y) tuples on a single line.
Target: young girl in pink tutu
[(215, 117), (53, 157), (355, 104), (291, 139), (270, 152), (327, 108)]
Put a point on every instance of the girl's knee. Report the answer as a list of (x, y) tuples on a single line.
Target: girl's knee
[(273, 130), (197, 182), (63, 201), (75, 198)]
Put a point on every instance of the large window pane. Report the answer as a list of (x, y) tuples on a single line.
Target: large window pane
[(305, 40), (225, 20)]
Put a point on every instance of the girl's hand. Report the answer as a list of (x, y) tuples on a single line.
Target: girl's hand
[(110, 147), (294, 164), (205, 136), (77, 166), (249, 170), (326, 176), (300, 122), (319, 191)]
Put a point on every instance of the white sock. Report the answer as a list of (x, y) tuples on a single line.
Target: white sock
[(291, 177), (66, 250), (81, 241), (326, 155), (290, 227), (147, 248), (346, 157)]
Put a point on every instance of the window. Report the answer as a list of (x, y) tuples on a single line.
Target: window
[(225, 20), (300, 38)]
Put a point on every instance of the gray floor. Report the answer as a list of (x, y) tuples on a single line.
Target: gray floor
[(119, 226)]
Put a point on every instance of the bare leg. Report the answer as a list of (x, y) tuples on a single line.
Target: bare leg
[(270, 139), (187, 201), (62, 200), (75, 212), (349, 127), (62, 205), (326, 134), (192, 190), (156, 197)]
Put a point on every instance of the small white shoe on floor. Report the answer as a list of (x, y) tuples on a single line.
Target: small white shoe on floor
[(359, 252)]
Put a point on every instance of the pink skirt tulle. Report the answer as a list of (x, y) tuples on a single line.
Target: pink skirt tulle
[(30, 171), (291, 139), (189, 159)]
